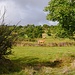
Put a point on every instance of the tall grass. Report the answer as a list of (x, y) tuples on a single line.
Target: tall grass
[(43, 60)]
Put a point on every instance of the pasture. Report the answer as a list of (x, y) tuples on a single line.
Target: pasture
[(43, 60)]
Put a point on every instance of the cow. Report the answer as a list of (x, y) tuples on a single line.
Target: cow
[(41, 42)]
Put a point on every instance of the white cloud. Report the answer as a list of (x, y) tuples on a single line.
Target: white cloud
[(53, 23)]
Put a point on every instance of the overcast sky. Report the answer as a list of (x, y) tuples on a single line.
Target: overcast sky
[(26, 11)]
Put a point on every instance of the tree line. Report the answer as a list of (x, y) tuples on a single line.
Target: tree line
[(32, 31)]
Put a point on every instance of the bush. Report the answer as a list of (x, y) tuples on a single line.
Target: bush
[(6, 40), (62, 34)]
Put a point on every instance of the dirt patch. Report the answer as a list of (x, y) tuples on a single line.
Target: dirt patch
[(53, 44)]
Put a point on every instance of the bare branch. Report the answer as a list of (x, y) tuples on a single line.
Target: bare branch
[(3, 17)]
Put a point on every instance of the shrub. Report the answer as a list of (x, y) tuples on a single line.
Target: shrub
[(6, 39)]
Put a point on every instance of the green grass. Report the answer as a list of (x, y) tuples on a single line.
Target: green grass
[(51, 59), (57, 40), (43, 53)]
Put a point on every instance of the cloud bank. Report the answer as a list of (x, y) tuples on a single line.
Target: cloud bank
[(26, 11)]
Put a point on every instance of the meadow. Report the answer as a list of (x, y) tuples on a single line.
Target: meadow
[(43, 60)]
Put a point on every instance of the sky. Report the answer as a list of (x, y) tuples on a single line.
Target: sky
[(26, 11)]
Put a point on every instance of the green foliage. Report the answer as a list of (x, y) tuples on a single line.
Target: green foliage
[(38, 31), (62, 11), (54, 30), (62, 34), (34, 31), (45, 26), (29, 31), (6, 40), (48, 32)]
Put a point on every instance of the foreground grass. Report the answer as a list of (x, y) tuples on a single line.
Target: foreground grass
[(43, 60), (42, 53)]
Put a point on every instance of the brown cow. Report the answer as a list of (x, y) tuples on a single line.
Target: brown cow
[(41, 42)]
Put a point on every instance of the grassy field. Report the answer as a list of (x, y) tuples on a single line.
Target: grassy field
[(42, 53), (43, 60)]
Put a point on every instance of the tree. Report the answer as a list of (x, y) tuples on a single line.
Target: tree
[(38, 30), (48, 32), (33, 31), (62, 11)]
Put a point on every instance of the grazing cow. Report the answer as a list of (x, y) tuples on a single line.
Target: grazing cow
[(41, 42)]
